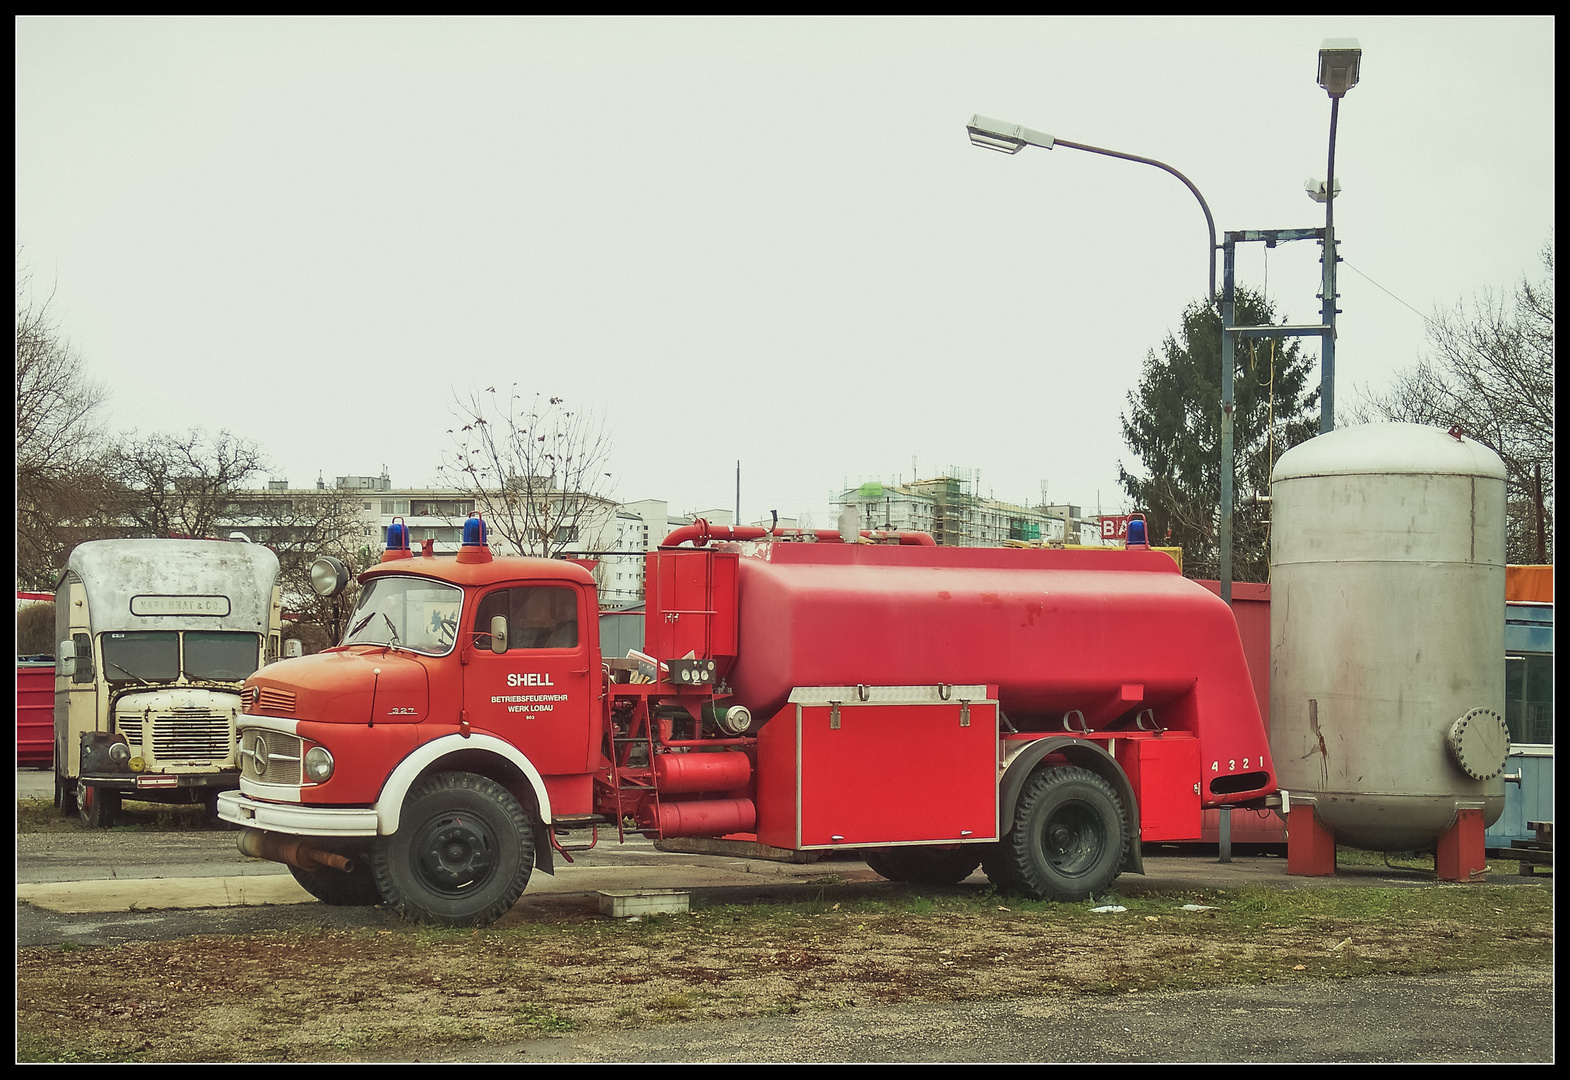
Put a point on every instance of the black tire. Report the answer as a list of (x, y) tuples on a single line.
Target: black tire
[(1069, 836), (98, 806), (923, 865), (354, 888), (997, 862), (462, 854), (65, 795)]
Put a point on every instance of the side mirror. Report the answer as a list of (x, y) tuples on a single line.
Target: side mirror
[(293, 647), (498, 634), (66, 664)]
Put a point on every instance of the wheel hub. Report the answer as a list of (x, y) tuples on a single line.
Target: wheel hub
[(455, 854), (1072, 841)]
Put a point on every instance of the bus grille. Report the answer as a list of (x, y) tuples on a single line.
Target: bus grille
[(181, 733)]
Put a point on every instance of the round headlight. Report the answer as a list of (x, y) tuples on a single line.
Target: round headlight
[(318, 764), (329, 577), (119, 753)]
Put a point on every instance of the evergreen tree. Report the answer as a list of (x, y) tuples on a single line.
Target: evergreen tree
[(1174, 426)]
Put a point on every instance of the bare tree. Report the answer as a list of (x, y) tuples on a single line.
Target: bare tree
[(183, 485), (536, 469), (299, 526), (57, 440), (1490, 371)]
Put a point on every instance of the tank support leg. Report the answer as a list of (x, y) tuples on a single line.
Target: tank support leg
[(1460, 856), (1311, 847)]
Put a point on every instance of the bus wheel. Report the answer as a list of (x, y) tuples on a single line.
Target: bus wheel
[(98, 806), (462, 854)]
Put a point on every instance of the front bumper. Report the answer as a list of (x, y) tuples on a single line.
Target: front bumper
[(130, 783), (295, 820)]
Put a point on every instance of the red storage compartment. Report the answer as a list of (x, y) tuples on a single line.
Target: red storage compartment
[(879, 772)]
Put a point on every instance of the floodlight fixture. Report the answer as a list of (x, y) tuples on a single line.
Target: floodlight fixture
[(1316, 189), (1339, 60), (990, 134)]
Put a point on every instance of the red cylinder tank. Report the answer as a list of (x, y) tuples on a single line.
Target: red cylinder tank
[(725, 770), (706, 817), (1109, 634)]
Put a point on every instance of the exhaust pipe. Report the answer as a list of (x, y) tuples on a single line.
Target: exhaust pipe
[(291, 851)]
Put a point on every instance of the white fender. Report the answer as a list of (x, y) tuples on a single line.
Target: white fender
[(390, 805)]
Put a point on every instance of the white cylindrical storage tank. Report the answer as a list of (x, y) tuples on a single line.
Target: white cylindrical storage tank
[(1387, 619)]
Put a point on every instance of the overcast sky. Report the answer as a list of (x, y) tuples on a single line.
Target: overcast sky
[(757, 239)]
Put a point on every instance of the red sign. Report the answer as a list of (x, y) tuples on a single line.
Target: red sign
[(1115, 526)]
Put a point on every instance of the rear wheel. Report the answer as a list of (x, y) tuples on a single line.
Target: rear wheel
[(98, 806), (65, 795), (923, 865), (1068, 838), (462, 854), (353, 888)]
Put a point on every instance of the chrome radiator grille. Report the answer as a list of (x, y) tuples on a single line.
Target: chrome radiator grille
[(271, 757), (174, 734)]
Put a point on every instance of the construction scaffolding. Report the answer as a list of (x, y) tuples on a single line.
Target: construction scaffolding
[(951, 509)]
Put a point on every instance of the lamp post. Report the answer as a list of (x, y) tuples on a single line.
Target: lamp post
[(1339, 61), (1008, 138)]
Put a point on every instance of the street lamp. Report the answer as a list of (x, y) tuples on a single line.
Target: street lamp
[(1340, 60), (1006, 138)]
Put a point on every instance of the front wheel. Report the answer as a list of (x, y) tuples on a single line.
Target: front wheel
[(353, 888), (98, 806), (462, 854), (1068, 838)]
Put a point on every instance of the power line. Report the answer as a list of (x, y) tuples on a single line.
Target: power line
[(1386, 291)]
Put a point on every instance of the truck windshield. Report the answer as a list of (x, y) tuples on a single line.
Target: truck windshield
[(410, 613), (142, 656), (225, 657)]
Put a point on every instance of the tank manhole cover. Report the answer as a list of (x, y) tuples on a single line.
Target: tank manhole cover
[(1479, 741)]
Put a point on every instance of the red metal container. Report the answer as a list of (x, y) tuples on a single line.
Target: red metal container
[(1086, 639), (35, 712)]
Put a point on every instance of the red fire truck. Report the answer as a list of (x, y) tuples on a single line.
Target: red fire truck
[(1038, 713)]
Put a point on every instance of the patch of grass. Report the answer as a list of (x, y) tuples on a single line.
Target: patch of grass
[(388, 990), (40, 815), (537, 1018)]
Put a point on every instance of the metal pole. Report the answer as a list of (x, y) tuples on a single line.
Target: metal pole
[(1210, 222), (1229, 252), (1327, 377)]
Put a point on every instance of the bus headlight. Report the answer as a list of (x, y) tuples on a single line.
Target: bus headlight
[(318, 765)]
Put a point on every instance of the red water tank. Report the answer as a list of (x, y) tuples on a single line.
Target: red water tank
[(1097, 637)]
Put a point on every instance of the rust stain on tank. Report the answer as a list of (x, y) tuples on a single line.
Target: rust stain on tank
[(1032, 610), (1319, 736)]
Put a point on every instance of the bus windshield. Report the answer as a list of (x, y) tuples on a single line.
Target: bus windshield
[(223, 656), (142, 656)]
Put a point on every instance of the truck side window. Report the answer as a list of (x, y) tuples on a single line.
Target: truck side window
[(84, 658), (538, 617)]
